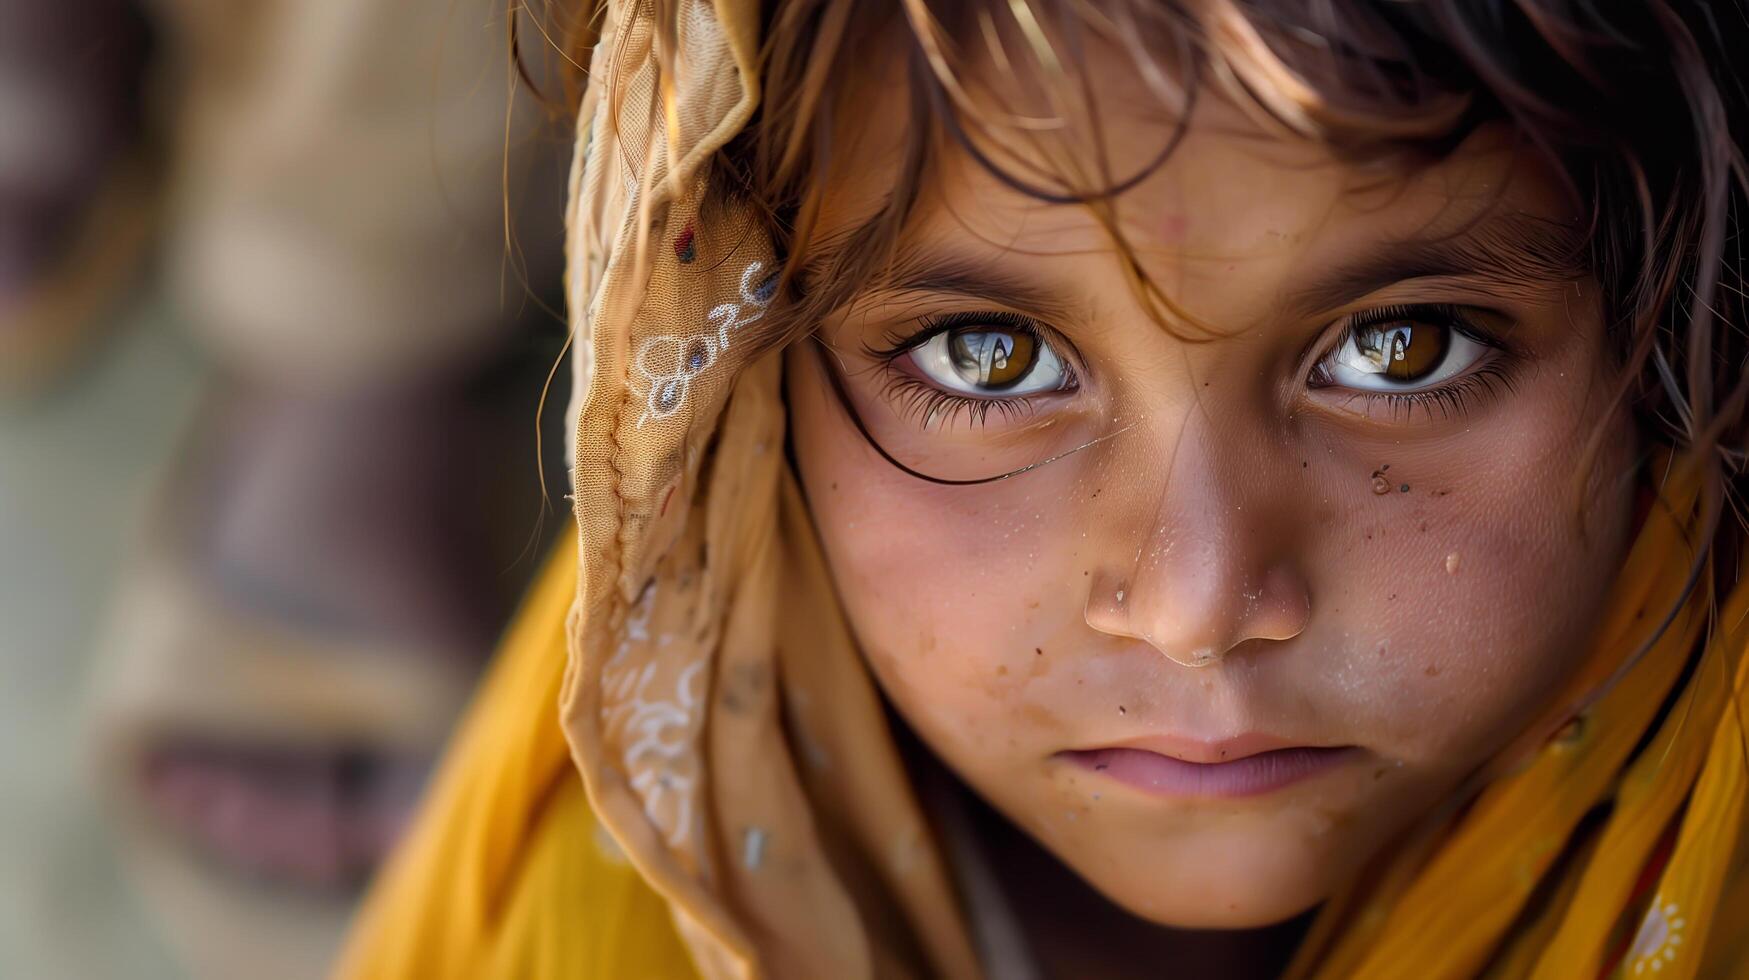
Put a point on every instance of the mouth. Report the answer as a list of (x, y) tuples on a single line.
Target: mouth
[(1245, 767), (316, 818)]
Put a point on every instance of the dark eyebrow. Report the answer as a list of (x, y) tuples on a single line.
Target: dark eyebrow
[(921, 269), (1514, 251)]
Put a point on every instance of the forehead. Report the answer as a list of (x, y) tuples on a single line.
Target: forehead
[(1233, 188)]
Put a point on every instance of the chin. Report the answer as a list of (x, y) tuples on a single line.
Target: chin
[(1186, 902), (1210, 881)]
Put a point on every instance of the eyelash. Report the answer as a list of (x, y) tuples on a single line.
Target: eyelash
[(1452, 398), (929, 404)]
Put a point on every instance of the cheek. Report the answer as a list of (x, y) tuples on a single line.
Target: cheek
[(1466, 601), (951, 592)]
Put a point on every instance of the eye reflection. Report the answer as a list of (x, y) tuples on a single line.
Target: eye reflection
[(989, 360), (1403, 351), (1401, 355)]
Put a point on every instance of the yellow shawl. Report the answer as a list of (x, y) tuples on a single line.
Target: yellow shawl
[(710, 694)]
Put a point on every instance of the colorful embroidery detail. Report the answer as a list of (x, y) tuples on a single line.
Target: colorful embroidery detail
[(670, 363)]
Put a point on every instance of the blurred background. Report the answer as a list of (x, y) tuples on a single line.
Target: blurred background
[(278, 282)]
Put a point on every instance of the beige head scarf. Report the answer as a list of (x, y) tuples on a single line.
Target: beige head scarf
[(702, 592)]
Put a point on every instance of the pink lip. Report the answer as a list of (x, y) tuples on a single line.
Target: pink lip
[(1249, 765)]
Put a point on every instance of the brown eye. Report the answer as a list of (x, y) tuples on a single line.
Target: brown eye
[(992, 359), (1401, 354), (1404, 350)]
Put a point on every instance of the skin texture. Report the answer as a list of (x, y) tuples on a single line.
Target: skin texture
[(1235, 514)]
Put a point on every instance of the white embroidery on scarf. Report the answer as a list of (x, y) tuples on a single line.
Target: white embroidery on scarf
[(1659, 936), (669, 363), (660, 758), (753, 848)]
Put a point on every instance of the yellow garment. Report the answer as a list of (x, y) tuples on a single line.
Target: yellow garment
[(522, 880), (733, 744)]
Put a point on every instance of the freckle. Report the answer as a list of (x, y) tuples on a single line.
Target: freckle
[(1121, 711), (1038, 651), (1223, 753), (1431, 670), (1302, 464), (834, 484), (1403, 488), (1379, 773), (1001, 671), (1451, 563), (1390, 597), (1423, 527)]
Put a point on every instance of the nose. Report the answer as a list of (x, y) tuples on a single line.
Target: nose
[(1213, 571)]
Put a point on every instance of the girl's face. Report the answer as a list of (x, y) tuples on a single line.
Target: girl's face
[(1322, 558)]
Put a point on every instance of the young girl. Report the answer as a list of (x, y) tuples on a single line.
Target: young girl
[(1119, 488)]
